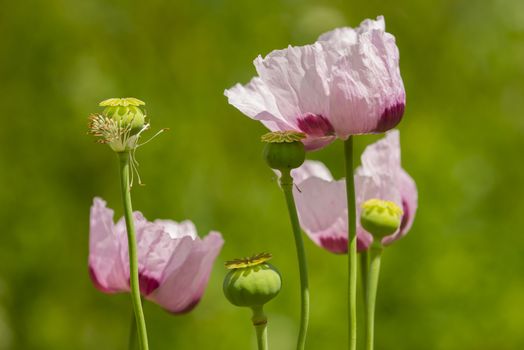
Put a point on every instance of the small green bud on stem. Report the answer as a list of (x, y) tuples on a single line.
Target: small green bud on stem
[(380, 218), (251, 281), (284, 150)]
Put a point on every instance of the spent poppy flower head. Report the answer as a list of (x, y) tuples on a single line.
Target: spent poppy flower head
[(321, 200), (251, 282), (348, 82), (174, 263), (120, 124)]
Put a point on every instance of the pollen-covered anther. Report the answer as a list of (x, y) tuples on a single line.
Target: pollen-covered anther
[(107, 129)]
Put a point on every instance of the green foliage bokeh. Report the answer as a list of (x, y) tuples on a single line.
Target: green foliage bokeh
[(455, 282)]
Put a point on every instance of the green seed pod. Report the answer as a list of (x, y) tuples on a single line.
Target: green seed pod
[(251, 281), (125, 110), (380, 218), (284, 150)]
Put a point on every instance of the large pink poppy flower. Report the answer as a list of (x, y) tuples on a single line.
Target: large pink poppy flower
[(174, 263), (321, 200), (348, 82)]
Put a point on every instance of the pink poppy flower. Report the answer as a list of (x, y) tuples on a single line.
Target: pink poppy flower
[(348, 82), (321, 200), (174, 263)]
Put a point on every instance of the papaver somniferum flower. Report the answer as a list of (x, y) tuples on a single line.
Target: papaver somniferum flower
[(321, 200), (174, 263), (348, 82)]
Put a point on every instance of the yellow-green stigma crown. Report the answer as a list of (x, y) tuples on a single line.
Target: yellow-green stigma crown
[(254, 260), (122, 102), (381, 204), (283, 137), (380, 217)]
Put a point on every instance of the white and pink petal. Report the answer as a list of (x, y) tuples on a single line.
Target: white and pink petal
[(184, 282), (106, 268)]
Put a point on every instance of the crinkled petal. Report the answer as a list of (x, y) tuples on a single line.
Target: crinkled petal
[(383, 156), (257, 102), (157, 243), (346, 83), (106, 268), (291, 93), (184, 283), (339, 38), (367, 92), (178, 230), (298, 79)]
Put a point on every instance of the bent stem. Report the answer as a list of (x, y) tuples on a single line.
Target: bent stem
[(260, 323), (352, 243), (371, 293), (286, 182), (132, 246)]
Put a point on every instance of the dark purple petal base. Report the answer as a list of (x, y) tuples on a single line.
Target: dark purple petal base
[(315, 125), (147, 284), (391, 116), (335, 244)]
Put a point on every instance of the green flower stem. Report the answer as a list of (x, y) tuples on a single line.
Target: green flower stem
[(132, 344), (352, 243), (371, 293), (364, 271), (260, 323), (131, 240), (286, 181)]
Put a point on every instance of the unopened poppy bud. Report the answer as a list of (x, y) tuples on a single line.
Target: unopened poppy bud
[(125, 110), (380, 218), (251, 282), (284, 150)]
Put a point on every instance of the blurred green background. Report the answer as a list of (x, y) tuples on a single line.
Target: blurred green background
[(455, 282)]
